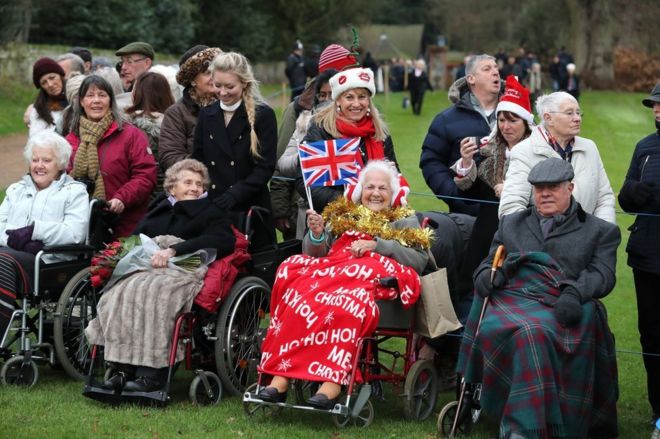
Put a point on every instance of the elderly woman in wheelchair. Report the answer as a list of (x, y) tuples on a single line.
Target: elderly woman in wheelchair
[(45, 208), (136, 314), (324, 301)]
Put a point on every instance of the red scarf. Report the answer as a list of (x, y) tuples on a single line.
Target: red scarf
[(366, 130)]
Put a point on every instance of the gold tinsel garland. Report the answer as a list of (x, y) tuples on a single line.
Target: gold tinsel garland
[(342, 215)]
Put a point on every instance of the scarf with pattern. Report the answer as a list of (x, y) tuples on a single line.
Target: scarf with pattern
[(86, 161)]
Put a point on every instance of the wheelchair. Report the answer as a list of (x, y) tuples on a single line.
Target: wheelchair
[(223, 348), (36, 330)]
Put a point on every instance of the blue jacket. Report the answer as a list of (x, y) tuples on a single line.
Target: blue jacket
[(441, 147), (644, 243)]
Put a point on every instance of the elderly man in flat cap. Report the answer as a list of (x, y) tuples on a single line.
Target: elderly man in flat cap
[(641, 194), (543, 352), (136, 58)]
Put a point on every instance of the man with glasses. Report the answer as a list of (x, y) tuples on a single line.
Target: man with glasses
[(136, 58), (557, 136)]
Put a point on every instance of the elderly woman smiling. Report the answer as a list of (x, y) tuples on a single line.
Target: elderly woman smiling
[(45, 208), (324, 301), (557, 136)]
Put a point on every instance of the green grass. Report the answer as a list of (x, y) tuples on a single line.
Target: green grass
[(54, 407), (14, 99)]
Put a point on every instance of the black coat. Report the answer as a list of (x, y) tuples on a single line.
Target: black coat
[(199, 222), (644, 242), (321, 196), (226, 152)]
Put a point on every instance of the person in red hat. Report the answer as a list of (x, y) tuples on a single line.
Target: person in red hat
[(48, 78), (485, 180)]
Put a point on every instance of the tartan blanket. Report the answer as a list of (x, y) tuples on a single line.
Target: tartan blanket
[(539, 379), (322, 306)]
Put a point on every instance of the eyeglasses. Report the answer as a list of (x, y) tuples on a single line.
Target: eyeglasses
[(131, 61), (570, 114)]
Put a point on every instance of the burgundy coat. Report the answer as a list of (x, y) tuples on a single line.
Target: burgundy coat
[(129, 171)]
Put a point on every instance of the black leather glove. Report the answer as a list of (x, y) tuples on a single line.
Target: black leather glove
[(226, 201), (484, 287), (568, 308), (638, 192), (33, 247), (17, 238)]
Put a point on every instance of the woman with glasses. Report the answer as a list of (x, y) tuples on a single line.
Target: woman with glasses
[(557, 136), (111, 156)]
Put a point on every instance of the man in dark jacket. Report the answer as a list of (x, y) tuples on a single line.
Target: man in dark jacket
[(641, 194), (295, 70), (472, 115)]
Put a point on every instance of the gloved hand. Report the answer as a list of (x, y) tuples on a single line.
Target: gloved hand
[(483, 285), (637, 191), (226, 201), (33, 247), (568, 308), (17, 238)]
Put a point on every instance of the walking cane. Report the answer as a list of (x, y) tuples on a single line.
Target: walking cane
[(498, 260)]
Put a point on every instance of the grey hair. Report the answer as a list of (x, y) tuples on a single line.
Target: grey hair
[(77, 63), (52, 140), (113, 78), (385, 166), (551, 102), (173, 173), (474, 61)]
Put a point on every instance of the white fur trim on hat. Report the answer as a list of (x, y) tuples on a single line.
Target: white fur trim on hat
[(515, 109), (352, 78), (400, 192)]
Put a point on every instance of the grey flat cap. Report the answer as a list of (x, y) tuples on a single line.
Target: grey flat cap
[(655, 96), (552, 170)]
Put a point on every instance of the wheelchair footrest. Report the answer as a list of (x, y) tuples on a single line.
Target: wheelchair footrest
[(338, 409)]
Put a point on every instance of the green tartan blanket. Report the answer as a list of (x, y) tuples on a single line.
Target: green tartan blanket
[(539, 379)]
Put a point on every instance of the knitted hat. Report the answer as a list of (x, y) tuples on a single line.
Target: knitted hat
[(336, 57), (44, 66), (196, 60), (516, 100), (73, 86), (352, 78)]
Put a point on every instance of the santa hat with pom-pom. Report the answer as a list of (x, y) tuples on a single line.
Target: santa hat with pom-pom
[(400, 187)]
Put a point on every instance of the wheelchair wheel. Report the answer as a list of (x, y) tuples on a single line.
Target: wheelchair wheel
[(420, 391), (15, 373), (76, 307), (240, 330), (198, 394), (363, 419), (446, 420), (252, 408)]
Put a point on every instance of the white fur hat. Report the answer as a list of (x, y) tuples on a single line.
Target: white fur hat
[(352, 78)]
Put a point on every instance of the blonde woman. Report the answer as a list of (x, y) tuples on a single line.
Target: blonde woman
[(236, 137)]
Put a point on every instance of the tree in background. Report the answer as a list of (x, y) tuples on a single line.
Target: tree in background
[(15, 18)]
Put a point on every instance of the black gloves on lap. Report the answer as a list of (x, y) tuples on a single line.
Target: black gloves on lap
[(568, 309), (483, 285), (225, 201), (17, 238)]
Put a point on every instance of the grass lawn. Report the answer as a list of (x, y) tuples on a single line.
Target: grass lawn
[(55, 408), (14, 99)]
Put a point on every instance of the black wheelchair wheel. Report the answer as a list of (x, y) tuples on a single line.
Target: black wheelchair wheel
[(420, 391), (254, 408), (16, 372), (240, 330), (75, 309), (448, 415), (363, 419), (198, 394)]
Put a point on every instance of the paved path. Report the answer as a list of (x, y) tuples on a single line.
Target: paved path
[(12, 164)]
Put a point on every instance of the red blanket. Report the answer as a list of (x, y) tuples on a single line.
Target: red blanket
[(320, 307)]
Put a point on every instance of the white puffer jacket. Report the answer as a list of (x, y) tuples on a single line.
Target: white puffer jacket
[(592, 187), (60, 212)]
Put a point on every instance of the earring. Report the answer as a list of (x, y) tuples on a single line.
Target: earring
[(338, 108), (194, 84), (368, 111)]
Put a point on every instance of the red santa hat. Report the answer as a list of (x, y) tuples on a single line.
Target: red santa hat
[(350, 79), (516, 100), (400, 187), (336, 57)]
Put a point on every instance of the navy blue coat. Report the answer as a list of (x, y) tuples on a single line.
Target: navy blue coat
[(644, 242), (441, 149)]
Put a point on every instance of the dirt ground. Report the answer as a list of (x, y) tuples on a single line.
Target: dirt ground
[(12, 164)]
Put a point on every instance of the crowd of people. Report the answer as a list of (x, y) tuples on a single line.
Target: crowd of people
[(174, 153)]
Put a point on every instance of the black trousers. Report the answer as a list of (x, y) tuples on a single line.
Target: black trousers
[(648, 304)]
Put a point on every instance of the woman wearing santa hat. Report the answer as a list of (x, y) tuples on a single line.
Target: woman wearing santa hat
[(352, 114), (485, 180)]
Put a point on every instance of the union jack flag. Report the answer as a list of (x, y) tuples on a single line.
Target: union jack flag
[(329, 162)]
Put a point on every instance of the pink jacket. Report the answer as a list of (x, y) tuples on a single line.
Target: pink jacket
[(129, 171)]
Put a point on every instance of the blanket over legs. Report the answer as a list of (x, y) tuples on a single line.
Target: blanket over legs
[(320, 307), (540, 379)]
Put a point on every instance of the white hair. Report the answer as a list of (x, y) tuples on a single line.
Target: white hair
[(385, 166), (169, 72), (77, 63), (112, 77), (474, 61), (52, 140), (551, 102)]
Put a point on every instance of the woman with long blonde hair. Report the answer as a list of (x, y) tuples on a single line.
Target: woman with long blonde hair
[(236, 137)]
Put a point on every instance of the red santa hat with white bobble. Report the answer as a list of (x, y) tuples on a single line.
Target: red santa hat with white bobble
[(400, 190), (516, 100)]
